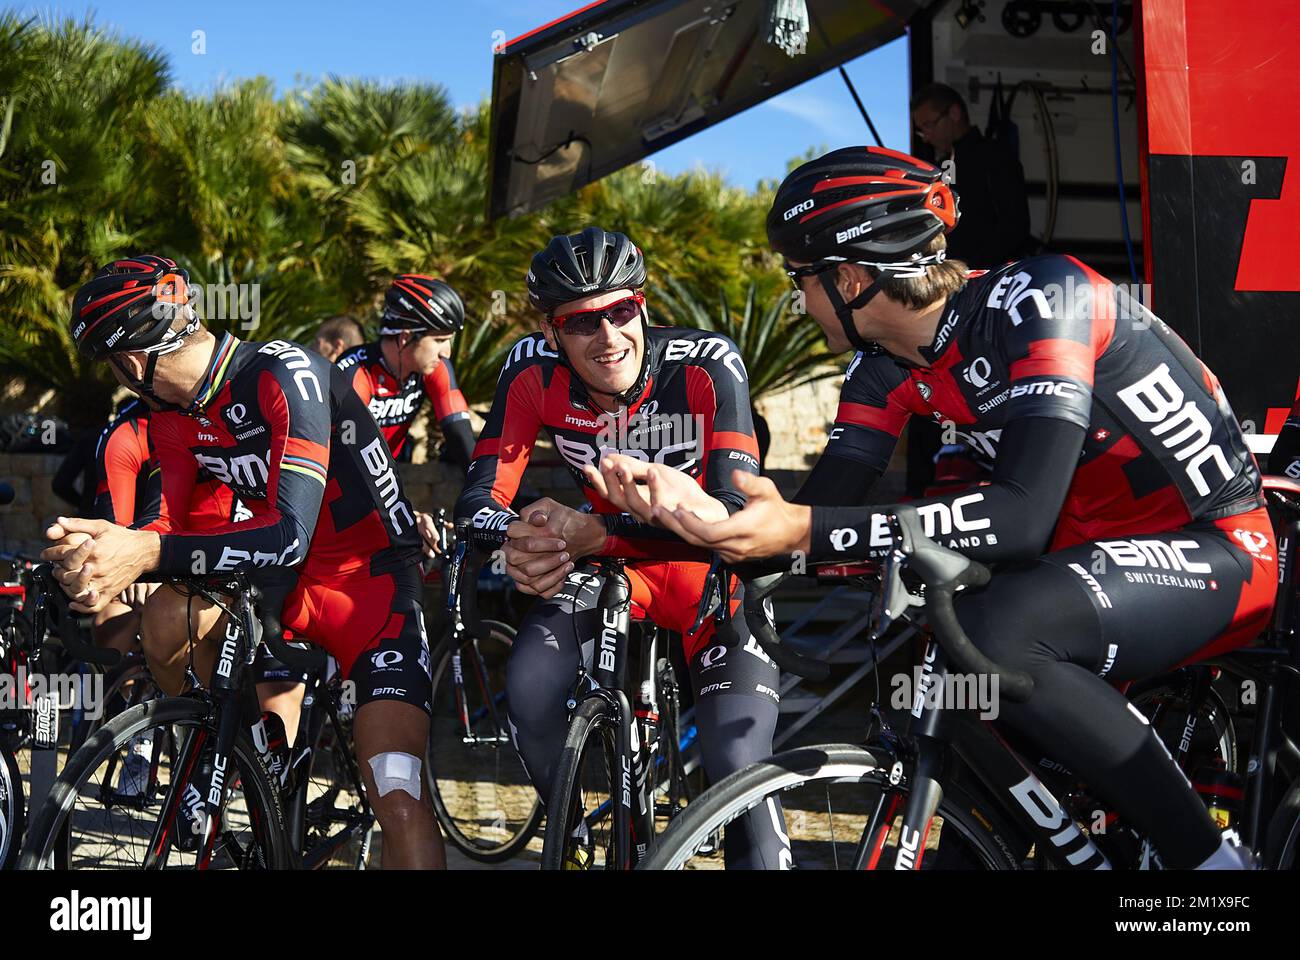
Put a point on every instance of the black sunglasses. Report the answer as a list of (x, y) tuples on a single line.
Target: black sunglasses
[(796, 274)]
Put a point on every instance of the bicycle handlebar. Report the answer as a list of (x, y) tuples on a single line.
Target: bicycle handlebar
[(944, 572), (49, 591)]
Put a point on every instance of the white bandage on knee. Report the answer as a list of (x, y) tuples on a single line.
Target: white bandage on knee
[(396, 771)]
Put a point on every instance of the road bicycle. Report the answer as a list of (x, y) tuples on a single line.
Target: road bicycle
[(481, 793), (132, 796), (950, 791)]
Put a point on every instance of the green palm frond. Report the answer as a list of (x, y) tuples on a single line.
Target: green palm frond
[(780, 349)]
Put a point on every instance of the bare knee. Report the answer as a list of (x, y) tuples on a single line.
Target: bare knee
[(165, 627)]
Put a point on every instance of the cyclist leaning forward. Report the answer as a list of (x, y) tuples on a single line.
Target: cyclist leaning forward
[(1124, 506), (331, 535), (598, 379)]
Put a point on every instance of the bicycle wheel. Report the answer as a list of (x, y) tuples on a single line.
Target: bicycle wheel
[(338, 823), (485, 803), (1214, 737), (103, 810), (12, 808), (1282, 851), (127, 684), (829, 793), (580, 828)]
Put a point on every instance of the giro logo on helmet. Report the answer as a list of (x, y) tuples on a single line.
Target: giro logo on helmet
[(799, 208)]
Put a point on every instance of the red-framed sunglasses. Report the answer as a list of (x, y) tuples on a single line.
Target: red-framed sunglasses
[(584, 323)]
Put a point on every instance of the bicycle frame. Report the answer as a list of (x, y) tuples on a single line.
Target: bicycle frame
[(638, 730)]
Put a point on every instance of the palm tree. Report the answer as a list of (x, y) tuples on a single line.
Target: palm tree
[(781, 350)]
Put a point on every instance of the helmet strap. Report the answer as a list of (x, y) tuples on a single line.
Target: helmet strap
[(144, 386), (845, 311)]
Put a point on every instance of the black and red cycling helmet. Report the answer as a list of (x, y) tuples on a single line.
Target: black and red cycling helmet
[(578, 265), (131, 305), (867, 205), (421, 304), (863, 204)]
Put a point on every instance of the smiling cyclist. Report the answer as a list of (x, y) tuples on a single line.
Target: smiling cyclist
[(598, 379)]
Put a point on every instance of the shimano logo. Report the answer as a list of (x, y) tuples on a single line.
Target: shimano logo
[(250, 433), (798, 209), (1181, 426), (380, 464), (997, 401), (852, 233)]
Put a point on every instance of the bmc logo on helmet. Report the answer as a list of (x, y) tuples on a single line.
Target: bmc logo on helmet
[(800, 208), (843, 236)]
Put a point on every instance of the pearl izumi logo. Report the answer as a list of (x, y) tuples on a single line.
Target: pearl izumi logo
[(843, 538), (77, 914), (977, 374)]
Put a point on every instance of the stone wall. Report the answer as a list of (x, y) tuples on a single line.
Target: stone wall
[(798, 419)]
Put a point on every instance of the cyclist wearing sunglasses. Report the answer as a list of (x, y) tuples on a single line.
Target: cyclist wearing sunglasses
[(599, 380), (409, 363), (1124, 504)]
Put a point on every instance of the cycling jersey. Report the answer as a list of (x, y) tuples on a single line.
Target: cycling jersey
[(395, 405), (1122, 483), (283, 429), (1285, 456), (129, 482), (1149, 441), (693, 414)]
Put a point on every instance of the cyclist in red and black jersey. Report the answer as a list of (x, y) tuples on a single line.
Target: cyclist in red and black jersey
[(410, 362), (598, 379), (331, 538), (128, 491), (1123, 497)]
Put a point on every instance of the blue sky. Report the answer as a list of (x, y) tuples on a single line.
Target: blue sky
[(298, 41)]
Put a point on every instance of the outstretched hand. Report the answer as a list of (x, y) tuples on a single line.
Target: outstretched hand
[(637, 487), (768, 526)]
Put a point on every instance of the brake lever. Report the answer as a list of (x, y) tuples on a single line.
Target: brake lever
[(711, 597)]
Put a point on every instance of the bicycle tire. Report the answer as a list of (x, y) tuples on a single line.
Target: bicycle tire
[(12, 808), (126, 670), (593, 716), (1282, 850), (742, 791), (49, 823), (475, 847), (1215, 710)]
